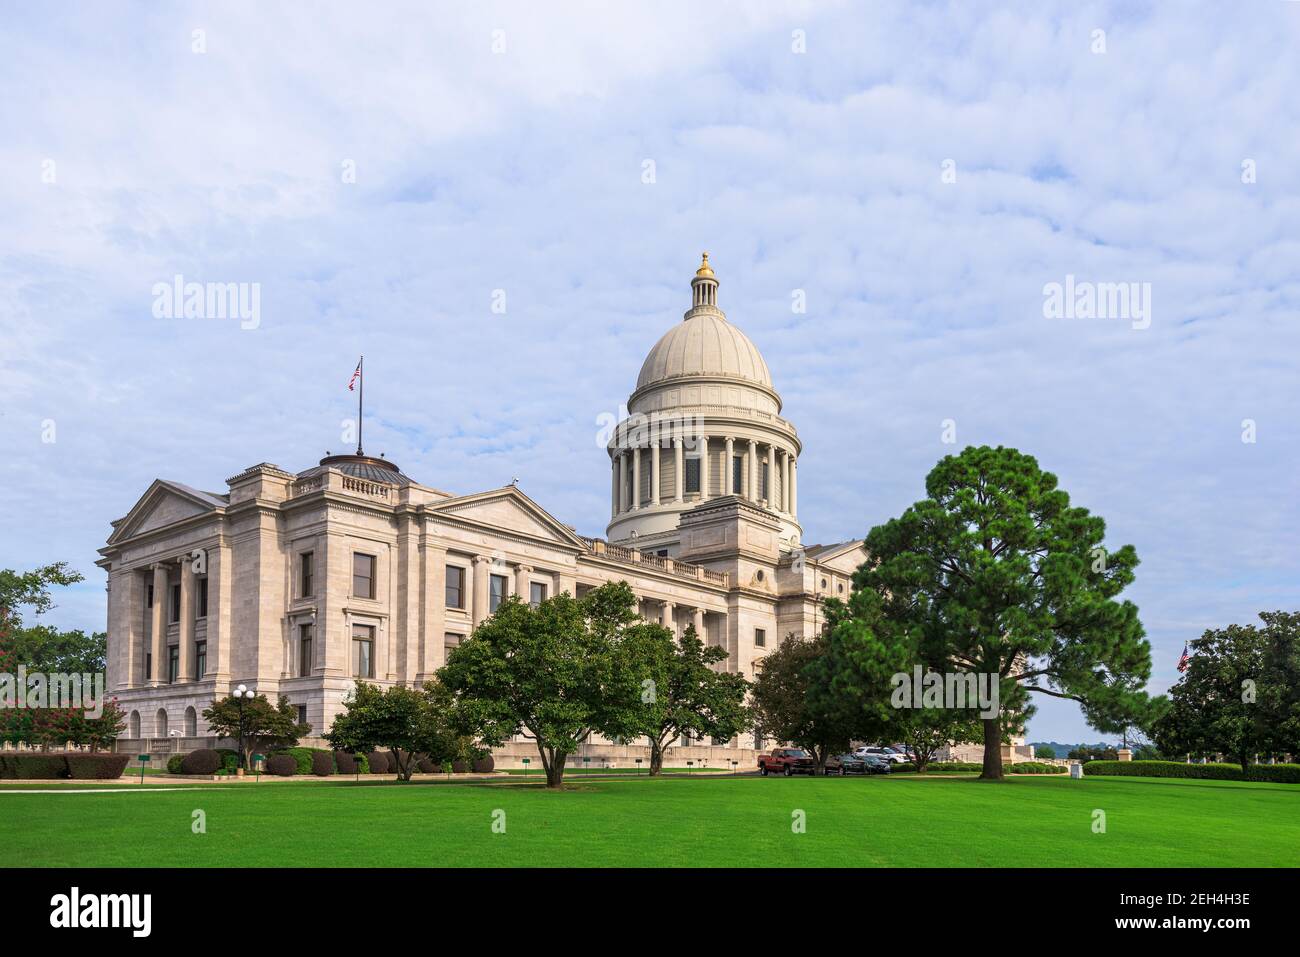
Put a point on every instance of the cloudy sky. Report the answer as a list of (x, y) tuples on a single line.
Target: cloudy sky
[(920, 170)]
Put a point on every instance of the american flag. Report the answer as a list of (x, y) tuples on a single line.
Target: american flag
[(1182, 662), (355, 376)]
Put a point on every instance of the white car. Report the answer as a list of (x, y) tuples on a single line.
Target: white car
[(889, 754)]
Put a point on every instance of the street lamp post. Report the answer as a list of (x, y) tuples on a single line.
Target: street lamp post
[(241, 693)]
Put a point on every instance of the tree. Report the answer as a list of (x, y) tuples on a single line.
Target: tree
[(925, 730), (1236, 696), (789, 703), (31, 588), (681, 693), (554, 671), (1000, 575), (265, 726), (52, 651), (1045, 751), (409, 722)]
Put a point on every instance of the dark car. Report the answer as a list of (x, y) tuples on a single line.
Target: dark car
[(845, 764), (876, 764)]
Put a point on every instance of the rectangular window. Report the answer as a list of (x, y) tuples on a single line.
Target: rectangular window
[(302, 714), (175, 615), (304, 651), (363, 575), (363, 651), (760, 638), (203, 597), (148, 666), (763, 473), (497, 592), (148, 595), (455, 587), (305, 578), (536, 593), (173, 663), (449, 641), (200, 659), (737, 475), (692, 475)]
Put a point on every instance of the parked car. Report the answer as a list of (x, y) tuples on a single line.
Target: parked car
[(889, 754), (876, 764), (842, 764), (787, 761)]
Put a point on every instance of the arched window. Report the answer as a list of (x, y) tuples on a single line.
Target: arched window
[(191, 723), (134, 724), (160, 724)]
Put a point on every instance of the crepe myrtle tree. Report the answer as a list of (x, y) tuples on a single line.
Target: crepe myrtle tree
[(409, 722), (998, 574), (680, 692), (557, 671), (265, 726)]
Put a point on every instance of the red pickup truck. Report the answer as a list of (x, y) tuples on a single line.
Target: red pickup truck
[(787, 761)]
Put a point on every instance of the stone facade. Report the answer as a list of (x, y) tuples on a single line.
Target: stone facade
[(298, 584)]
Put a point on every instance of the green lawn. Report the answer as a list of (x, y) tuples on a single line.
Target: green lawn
[(740, 821)]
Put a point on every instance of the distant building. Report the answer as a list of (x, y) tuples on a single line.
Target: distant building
[(298, 584)]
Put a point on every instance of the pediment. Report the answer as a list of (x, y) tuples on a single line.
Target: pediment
[(510, 510), (164, 504)]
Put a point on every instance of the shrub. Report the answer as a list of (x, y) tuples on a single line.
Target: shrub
[(174, 763), (99, 767), (363, 764), (204, 761), (378, 762), (425, 765), (229, 758), (346, 762), (302, 758), (1035, 767), (484, 765), (460, 767), (1276, 773), (33, 767), (322, 764), (282, 765)]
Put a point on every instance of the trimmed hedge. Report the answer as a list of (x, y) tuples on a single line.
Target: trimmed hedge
[(1035, 767), (459, 767), (229, 759), (282, 765), (425, 765), (379, 762), (322, 764), (174, 763), (484, 765), (301, 756), (203, 761), (33, 766), (97, 767), (345, 762), (1275, 773)]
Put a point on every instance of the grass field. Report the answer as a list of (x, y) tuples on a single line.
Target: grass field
[(728, 821)]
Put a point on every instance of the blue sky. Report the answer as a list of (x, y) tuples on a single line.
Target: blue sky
[(521, 169)]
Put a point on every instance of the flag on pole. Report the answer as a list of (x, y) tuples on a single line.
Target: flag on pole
[(355, 376), (1182, 662)]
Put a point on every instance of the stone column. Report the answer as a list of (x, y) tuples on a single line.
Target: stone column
[(669, 612), (622, 482), (433, 611), (185, 667), (753, 471), (679, 486), (654, 473), (728, 468), (613, 481), (158, 622), (636, 477), (785, 482), (522, 581), (479, 596), (698, 622), (704, 468), (794, 487)]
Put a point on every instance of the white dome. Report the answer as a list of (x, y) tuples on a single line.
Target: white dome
[(704, 344)]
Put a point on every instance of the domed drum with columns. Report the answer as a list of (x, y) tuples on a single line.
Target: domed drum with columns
[(704, 422)]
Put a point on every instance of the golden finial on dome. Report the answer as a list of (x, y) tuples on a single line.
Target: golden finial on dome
[(705, 269)]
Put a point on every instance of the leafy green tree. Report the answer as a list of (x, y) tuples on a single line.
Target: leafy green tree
[(926, 730), (1045, 751), (31, 588), (556, 671), (1236, 696), (52, 651), (681, 693), (790, 704), (1000, 575), (407, 721), (265, 726)]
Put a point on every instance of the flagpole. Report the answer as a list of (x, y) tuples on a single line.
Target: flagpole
[(361, 394)]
